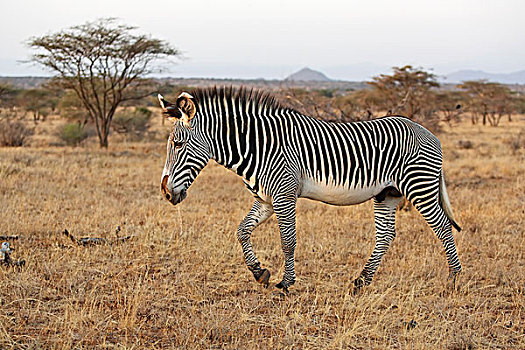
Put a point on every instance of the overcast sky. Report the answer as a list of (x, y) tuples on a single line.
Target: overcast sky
[(345, 39)]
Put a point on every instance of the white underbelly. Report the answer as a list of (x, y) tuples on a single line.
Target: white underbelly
[(339, 195)]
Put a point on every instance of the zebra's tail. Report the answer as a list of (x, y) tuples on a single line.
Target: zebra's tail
[(444, 202)]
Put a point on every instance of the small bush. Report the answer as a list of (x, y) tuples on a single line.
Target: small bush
[(73, 134), (465, 144), (134, 122), (13, 133)]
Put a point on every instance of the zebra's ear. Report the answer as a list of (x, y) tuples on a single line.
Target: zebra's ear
[(186, 107), (171, 111)]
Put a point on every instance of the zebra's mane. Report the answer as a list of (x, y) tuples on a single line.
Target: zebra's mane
[(239, 96)]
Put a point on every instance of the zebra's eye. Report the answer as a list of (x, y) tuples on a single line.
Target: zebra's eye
[(173, 143)]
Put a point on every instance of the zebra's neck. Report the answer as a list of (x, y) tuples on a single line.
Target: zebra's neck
[(237, 137), (243, 129)]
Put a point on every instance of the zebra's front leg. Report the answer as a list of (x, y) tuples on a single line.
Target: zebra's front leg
[(385, 221), (284, 208), (259, 213)]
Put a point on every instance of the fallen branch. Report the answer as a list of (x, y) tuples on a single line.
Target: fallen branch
[(5, 238), (86, 241), (120, 239)]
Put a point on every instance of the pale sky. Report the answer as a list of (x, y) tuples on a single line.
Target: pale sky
[(345, 39)]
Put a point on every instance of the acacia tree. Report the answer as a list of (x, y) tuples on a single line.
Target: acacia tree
[(5, 90), (7, 93), (490, 101), (408, 91), (368, 102), (40, 102), (103, 62), (449, 103)]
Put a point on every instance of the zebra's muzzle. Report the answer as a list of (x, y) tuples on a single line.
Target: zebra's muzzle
[(177, 197), (173, 196)]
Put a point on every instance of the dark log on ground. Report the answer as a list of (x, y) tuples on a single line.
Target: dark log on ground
[(86, 241), (6, 238)]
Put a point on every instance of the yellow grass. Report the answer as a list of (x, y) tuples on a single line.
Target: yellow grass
[(181, 282)]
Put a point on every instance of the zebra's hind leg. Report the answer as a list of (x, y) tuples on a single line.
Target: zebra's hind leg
[(385, 217), (442, 227), (259, 213)]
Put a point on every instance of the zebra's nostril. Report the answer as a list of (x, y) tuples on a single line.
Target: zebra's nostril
[(168, 196)]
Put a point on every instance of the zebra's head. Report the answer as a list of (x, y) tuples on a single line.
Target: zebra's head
[(188, 151)]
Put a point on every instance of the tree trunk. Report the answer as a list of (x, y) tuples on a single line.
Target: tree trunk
[(103, 136), (102, 131), (104, 141)]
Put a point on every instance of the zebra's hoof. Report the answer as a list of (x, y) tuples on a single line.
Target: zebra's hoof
[(279, 293), (359, 283), (264, 278), (453, 280), (281, 286), (454, 275)]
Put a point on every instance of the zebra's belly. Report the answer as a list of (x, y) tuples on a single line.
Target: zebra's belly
[(339, 195)]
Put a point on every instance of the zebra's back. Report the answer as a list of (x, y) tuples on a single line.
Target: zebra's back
[(349, 163)]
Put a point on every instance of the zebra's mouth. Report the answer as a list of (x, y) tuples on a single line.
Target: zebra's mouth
[(176, 198)]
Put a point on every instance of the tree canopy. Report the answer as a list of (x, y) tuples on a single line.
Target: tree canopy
[(488, 100), (103, 62), (406, 90)]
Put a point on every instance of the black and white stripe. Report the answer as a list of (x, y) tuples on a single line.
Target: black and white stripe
[(283, 155)]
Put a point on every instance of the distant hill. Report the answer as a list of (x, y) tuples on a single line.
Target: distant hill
[(307, 74), (24, 82), (33, 82), (508, 78), (305, 78)]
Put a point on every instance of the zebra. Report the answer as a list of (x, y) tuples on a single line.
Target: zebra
[(283, 155)]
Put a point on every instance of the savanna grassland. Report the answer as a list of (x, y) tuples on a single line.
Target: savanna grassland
[(181, 282)]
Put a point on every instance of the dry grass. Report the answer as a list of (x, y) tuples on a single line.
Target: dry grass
[(181, 281)]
